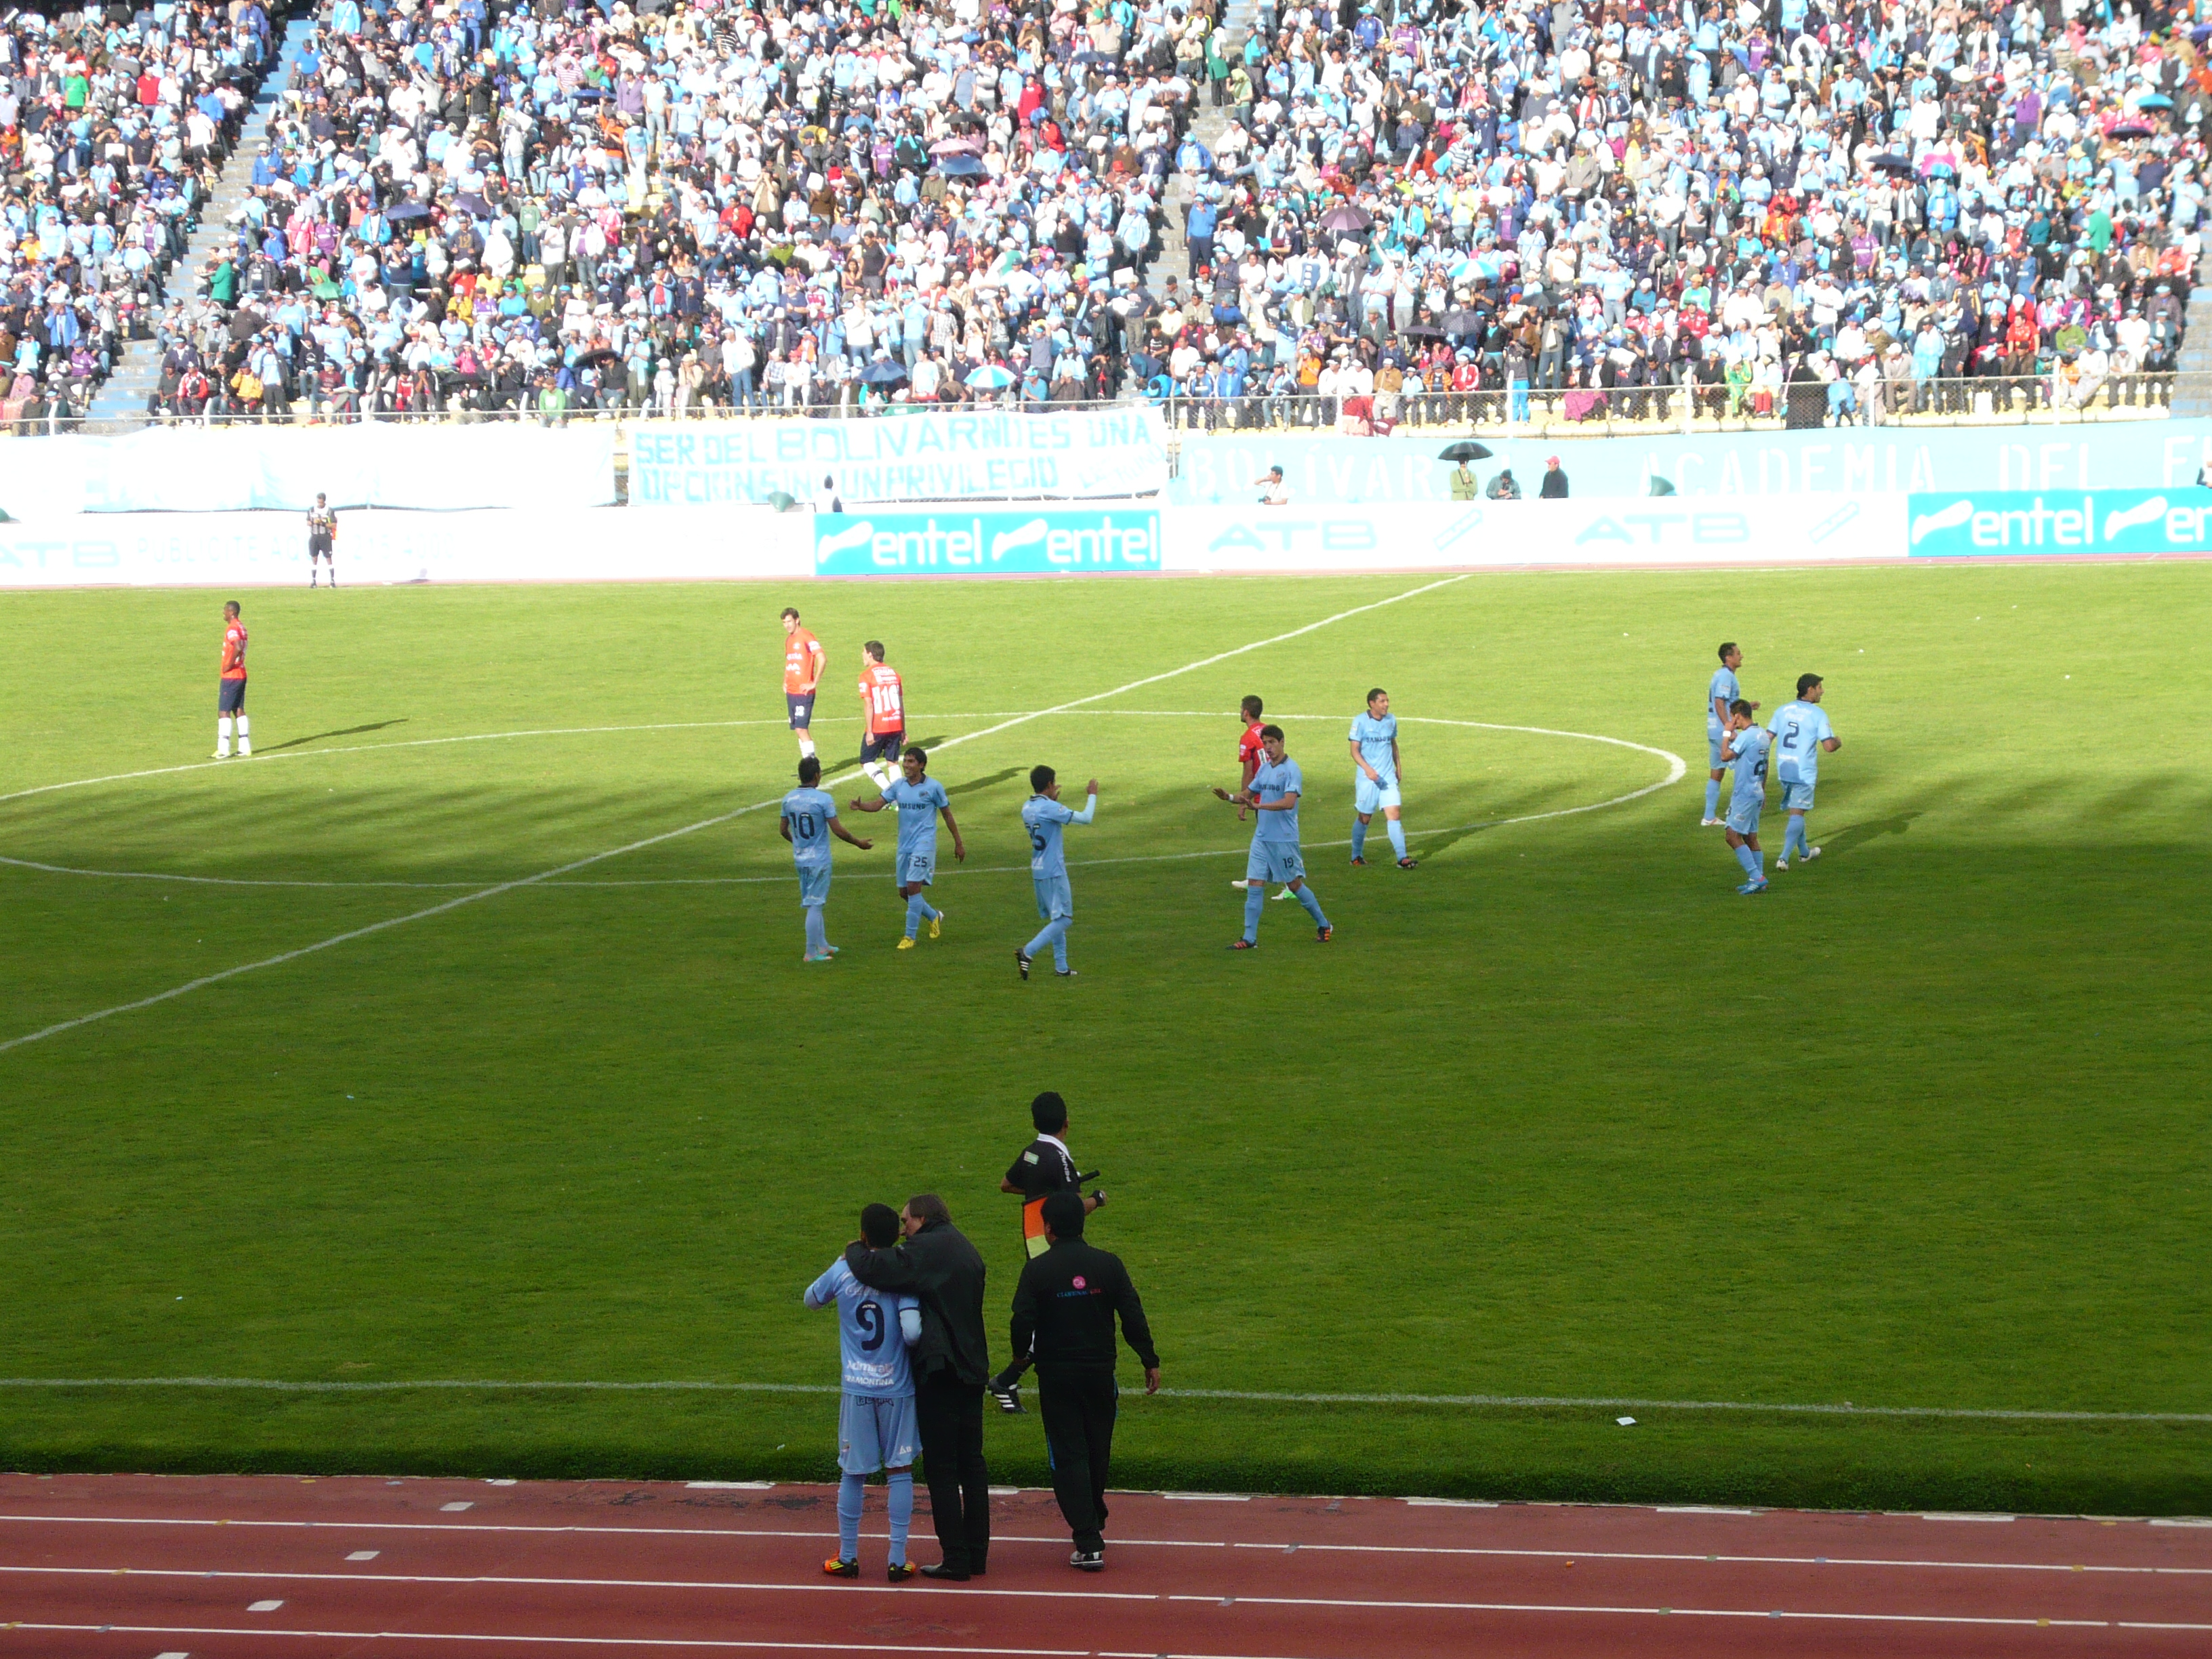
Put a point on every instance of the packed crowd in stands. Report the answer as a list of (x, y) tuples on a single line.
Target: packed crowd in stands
[(1424, 211), (114, 128)]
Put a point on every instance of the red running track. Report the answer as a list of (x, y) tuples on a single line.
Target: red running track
[(272, 1567)]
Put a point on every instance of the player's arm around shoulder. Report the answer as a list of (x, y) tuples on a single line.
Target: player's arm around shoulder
[(909, 1320)]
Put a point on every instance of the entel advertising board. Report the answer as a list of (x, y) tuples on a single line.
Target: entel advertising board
[(957, 543), (2000, 524)]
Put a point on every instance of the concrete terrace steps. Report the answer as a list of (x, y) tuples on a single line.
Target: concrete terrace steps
[(1207, 124), (121, 403)]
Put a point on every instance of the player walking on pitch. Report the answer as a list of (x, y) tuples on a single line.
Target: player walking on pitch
[(919, 798), (1721, 692), (804, 659), (1375, 753), (810, 818), (1274, 799), (1044, 817), (322, 538), (877, 1424), (883, 716), (1800, 732), (1251, 752), (230, 690), (1746, 749)]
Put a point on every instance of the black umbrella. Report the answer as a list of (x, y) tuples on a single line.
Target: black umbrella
[(2133, 130), (1462, 321), (1892, 163), (1466, 450), (406, 210), (602, 355)]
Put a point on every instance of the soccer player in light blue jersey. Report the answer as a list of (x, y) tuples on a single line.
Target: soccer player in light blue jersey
[(1719, 694), (1375, 753), (877, 1427), (1802, 733), (1745, 749), (1274, 798), (919, 799), (810, 818), (1044, 817)]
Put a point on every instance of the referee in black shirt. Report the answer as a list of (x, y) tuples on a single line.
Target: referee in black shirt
[(1044, 1167), (1064, 1312)]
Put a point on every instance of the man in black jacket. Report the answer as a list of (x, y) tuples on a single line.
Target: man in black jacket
[(1064, 1312), (936, 1265)]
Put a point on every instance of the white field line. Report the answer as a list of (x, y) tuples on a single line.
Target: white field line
[(1463, 1401), (494, 891), (1331, 1603), (1883, 1562), (1676, 769)]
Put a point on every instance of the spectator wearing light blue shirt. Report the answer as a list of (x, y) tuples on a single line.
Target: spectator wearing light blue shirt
[(1802, 733), (1044, 816)]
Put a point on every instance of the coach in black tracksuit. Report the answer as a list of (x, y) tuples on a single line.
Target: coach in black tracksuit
[(1064, 1312), (936, 1265)]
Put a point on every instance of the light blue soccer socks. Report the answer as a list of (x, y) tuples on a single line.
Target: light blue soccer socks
[(901, 1497), (1751, 862), (1712, 798), (852, 1493), (1358, 836), (1055, 935), (1312, 904), (1255, 899), (1397, 835), (1793, 838), (817, 932), (917, 912)]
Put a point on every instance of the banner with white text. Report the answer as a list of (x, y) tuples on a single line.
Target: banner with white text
[(1078, 455)]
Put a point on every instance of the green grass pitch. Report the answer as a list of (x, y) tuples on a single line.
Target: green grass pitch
[(1557, 1115)]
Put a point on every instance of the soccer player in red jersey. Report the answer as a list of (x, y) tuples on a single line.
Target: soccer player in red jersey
[(883, 716), (804, 659), (1251, 752), (230, 696)]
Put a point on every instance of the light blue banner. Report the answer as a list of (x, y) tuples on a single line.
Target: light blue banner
[(1998, 523), (995, 455), (954, 543), (1326, 470)]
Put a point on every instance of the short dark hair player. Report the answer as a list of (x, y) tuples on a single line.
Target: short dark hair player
[(1045, 1167)]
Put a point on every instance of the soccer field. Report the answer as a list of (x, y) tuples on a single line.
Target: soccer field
[(1556, 1116)]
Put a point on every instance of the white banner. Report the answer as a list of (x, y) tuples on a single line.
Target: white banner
[(244, 550), (1456, 536), (927, 456), (241, 469)]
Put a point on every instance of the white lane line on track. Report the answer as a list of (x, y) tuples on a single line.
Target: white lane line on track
[(1881, 1563), (1479, 1401), (494, 891), (1347, 1604), (706, 1643), (1677, 767)]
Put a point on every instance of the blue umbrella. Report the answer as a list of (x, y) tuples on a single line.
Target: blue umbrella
[(959, 166), (883, 372)]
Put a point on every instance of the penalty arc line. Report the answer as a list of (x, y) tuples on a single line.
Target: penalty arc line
[(1464, 1401), (1677, 767), (494, 891)]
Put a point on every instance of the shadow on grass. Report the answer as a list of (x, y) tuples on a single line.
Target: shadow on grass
[(991, 782), (345, 731), (1858, 834)]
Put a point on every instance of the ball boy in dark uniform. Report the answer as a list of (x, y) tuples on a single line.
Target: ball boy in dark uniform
[(1045, 1167)]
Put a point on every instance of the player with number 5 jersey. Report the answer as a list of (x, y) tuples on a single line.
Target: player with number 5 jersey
[(1044, 816), (810, 818)]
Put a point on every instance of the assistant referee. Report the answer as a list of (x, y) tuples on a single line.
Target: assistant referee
[(1064, 1312)]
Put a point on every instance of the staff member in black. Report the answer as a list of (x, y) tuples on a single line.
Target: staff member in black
[(936, 1265), (1064, 1312), (1045, 1167), (322, 538)]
